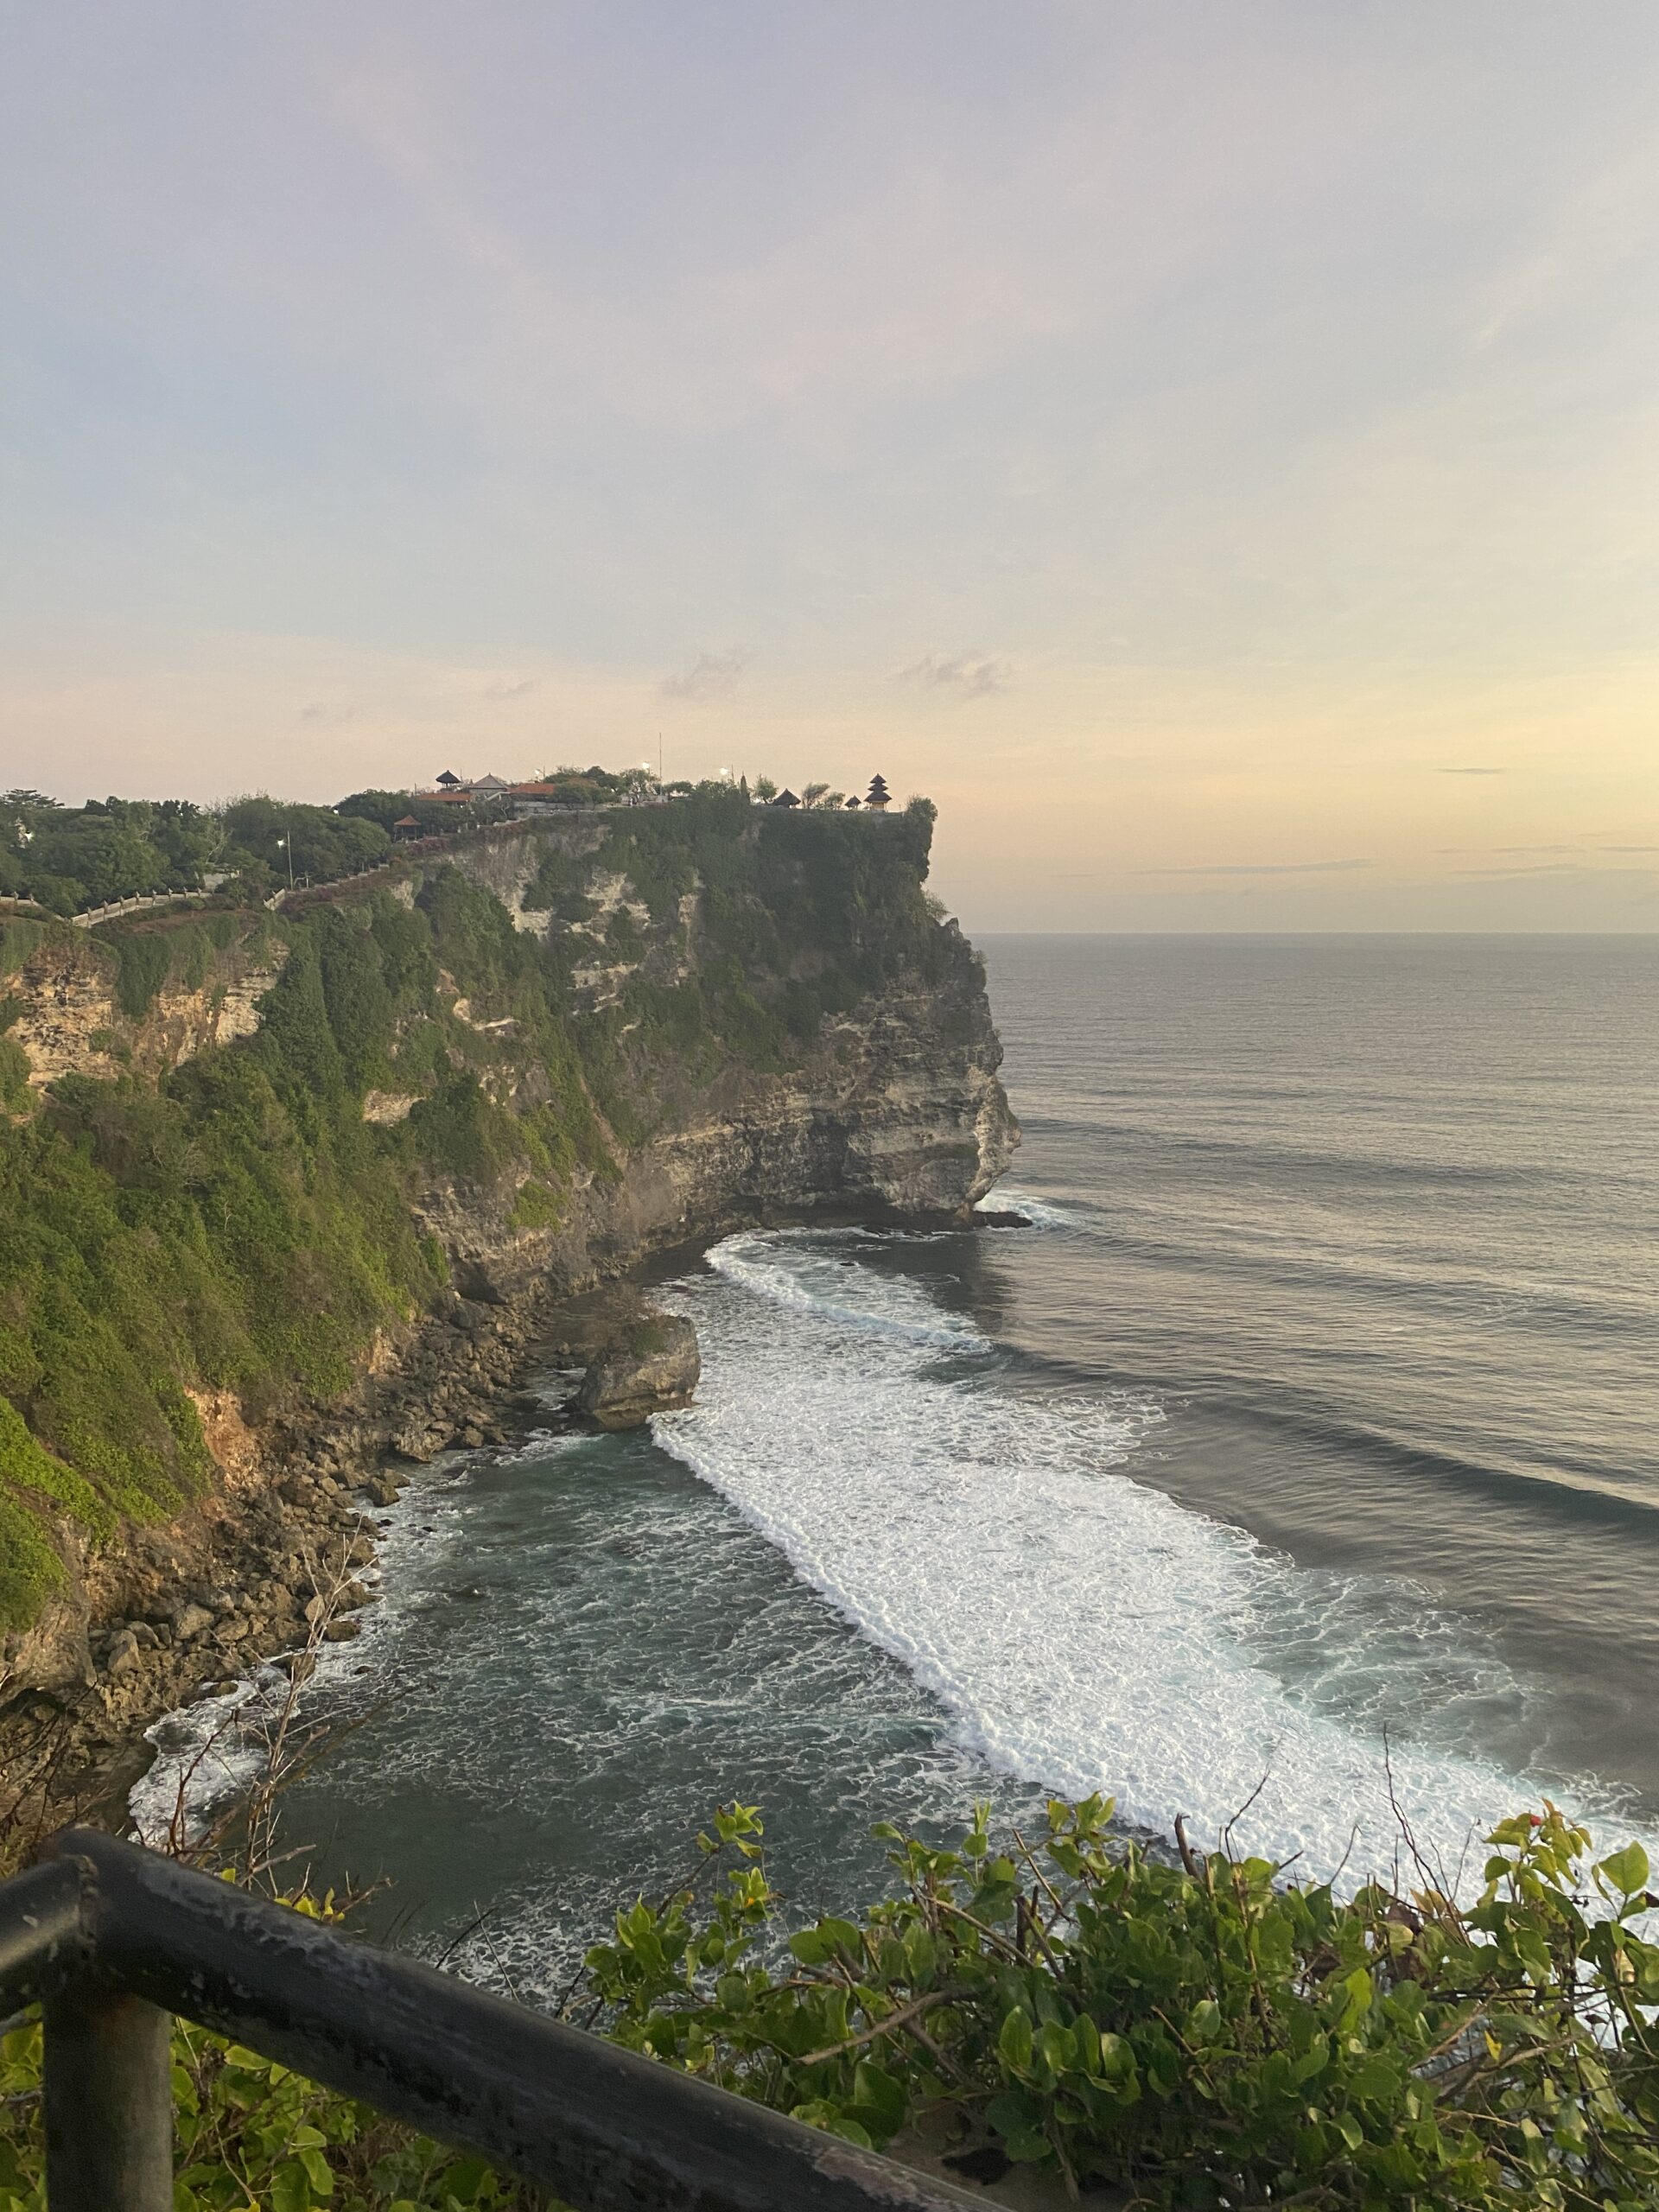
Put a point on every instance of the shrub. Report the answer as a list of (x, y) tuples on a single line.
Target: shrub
[(1203, 2032)]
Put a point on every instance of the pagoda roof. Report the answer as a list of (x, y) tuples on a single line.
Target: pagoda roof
[(786, 798)]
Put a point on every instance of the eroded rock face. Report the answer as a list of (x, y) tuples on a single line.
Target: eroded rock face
[(68, 1023), (654, 1366)]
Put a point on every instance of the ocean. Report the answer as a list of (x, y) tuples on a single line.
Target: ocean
[(1296, 1469)]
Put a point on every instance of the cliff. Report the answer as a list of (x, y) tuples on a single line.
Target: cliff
[(284, 1193)]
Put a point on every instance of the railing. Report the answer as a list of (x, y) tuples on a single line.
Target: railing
[(111, 1940), (115, 907)]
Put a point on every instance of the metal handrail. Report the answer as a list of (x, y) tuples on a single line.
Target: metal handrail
[(110, 1940)]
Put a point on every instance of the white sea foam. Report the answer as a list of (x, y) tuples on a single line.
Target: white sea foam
[(1041, 1213), (1084, 1630), (826, 1281), (206, 1754)]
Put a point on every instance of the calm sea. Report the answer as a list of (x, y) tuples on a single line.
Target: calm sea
[(1303, 1454)]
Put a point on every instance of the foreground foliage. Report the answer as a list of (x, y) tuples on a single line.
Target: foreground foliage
[(1201, 2034)]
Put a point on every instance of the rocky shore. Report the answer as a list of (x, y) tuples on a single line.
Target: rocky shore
[(256, 1569), (278, 1563)]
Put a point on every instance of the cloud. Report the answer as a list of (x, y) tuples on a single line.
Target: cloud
[(317, 711), (1582, 871), (975, 675), (511, 690), (1473, 771), (1263, 867), (711, 676)]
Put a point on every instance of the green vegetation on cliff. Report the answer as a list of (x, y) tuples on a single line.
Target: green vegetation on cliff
[(241, 1226)]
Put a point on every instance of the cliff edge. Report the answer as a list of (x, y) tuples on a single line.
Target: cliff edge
[(271, 1184)]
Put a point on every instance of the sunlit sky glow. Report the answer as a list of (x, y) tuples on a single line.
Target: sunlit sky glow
[(1212, 450)]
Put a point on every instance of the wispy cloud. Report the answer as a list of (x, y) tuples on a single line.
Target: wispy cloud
[(1473, 771), (1472, 852), (711, 676), (976, 675), (320, 711), (1263, 867), (511, 690), (1586, 871)]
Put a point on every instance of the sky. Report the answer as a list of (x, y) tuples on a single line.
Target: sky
[(1211, 450)]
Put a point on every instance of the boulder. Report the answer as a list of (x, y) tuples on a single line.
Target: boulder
[(653, 1365)]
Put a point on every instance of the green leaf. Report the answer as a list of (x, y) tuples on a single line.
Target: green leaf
[(319, 2172), (1627, 1870), (878, 2095), (1116, 2059), (465, 2179), (1013, 2041), (1203, 2021), (290, 2188), (1028, 2144)]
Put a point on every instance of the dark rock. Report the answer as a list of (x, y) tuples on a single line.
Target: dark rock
[(653, 1365)]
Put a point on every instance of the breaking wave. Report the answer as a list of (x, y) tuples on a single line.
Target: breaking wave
[(1082, 1631)]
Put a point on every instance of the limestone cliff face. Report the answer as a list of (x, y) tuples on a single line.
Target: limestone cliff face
[(894, 1112), (896, 1116), (68, 1020), (865, 1091)]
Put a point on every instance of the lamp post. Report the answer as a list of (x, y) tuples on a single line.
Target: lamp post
[(285, 845)]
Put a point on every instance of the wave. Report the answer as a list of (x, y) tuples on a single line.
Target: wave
[(828, 1286), (1041, 1213), (1082, 1631)]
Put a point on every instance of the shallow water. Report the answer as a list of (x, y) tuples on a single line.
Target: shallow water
[(1315, 1414)]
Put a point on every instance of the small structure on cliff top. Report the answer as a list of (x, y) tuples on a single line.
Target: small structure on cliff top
[(878, 795), (448, 781), (405, 826), (786, 798)]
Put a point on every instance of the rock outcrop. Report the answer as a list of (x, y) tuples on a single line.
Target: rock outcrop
[(654, 1365)]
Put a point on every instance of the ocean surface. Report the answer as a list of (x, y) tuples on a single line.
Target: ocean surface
[(1298, 1466)]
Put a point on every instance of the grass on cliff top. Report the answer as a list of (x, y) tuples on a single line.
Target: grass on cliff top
[(1201, 2035)]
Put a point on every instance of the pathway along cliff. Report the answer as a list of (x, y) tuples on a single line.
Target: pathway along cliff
[(290, 1196)]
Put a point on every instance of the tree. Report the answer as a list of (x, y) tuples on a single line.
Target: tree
[(811, 794), (764, 790)]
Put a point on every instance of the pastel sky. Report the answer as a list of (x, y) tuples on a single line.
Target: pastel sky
[(1212, 449)]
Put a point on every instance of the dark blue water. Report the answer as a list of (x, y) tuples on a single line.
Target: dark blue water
[(1318, 1411)]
